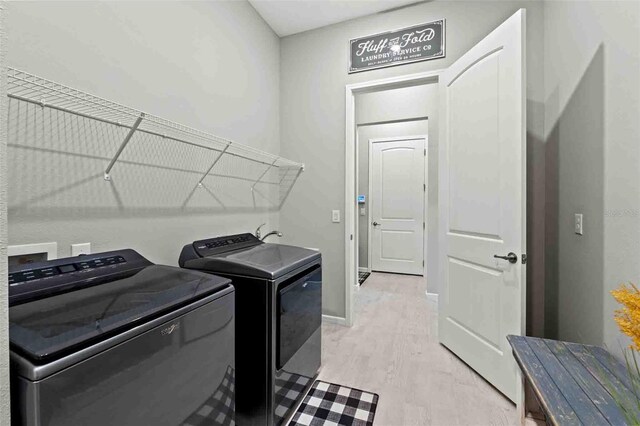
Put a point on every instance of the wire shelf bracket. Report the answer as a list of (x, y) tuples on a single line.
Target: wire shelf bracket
[(213, 164), (123, 145), (264, 173)]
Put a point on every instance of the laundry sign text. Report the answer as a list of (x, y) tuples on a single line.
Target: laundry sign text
[(418, 43)]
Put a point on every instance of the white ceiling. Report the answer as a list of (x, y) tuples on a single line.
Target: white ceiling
[(288, 17)]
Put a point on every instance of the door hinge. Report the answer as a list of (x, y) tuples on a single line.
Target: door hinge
[(423, 263), (351, 237), (423, 225), (425, 152), (424, 187), (524, 259)]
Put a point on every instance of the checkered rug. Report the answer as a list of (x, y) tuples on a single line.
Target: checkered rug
[(329, 404), (219, 409), (290, 388), (362, 277)]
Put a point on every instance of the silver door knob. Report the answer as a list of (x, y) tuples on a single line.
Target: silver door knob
[(375, 224), (511, 257)]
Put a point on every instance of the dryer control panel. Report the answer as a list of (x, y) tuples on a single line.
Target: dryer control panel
[(43, 279), (218, 245)]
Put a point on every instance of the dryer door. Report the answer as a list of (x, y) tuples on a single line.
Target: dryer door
[(299, 310)]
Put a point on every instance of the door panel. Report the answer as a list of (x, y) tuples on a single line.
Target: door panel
[(395, 185), (478, 290), (482, 199), (475, 146), (397, 205), (396, 245)]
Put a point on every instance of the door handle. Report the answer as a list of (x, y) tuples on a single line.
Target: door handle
[(375, 224), (511, 257)]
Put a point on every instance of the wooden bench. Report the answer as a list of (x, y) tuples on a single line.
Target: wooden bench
[(574, 383)]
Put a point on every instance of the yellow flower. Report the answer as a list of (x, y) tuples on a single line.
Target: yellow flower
[(628, 317)]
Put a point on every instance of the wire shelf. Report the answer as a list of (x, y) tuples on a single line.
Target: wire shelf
[(30, 88)]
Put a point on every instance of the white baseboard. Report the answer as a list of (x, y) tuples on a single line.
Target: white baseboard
[(432, 296), (364, 270), (334, 320)]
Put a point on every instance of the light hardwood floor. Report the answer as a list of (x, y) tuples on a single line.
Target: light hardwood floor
[(393, 350)]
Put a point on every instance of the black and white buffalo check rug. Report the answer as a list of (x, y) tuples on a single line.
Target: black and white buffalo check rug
[(329, 404), (362, 277), (290, 388), (219, 408)]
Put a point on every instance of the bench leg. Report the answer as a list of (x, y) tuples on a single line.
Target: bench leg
[(520, 399)]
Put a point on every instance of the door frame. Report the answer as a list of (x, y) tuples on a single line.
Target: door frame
[(424, 194), (351, 156), (5, 405)]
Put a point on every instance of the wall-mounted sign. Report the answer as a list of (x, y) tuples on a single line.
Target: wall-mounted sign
[(418, 43)]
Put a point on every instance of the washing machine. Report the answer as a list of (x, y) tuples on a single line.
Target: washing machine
[(113, 339), (278, 320)]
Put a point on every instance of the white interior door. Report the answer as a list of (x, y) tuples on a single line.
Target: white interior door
[(397, 205), (482, 201)]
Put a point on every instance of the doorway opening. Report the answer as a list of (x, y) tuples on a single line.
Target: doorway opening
[(392, 183), (371, 117)]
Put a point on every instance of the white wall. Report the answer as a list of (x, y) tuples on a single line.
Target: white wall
[(313, 78), (5, 419), (592, 123), (395, 104), (210, 65)]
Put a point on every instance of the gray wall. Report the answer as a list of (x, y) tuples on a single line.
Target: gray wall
[(407, 103), (313, 78), (210, 65), (592, 92), (5, 419)]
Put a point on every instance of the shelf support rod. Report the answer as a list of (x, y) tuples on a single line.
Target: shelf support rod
[(214, 163), (124, 143), (264, 173)]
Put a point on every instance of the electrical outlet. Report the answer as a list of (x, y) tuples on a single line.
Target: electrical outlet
[(335, 216), (363, 211), (78, 249), (577, 223)]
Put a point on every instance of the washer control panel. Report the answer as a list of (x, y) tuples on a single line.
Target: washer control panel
[(16, 278), (44, 279)]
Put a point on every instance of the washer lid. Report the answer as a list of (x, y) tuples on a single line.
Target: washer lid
[(47, 328), (268, 261)]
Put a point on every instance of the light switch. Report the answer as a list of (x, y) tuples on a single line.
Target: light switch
[(578, 223), (363, 211), (335, 216)]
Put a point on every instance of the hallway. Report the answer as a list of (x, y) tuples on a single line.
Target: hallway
[(393, 350)]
